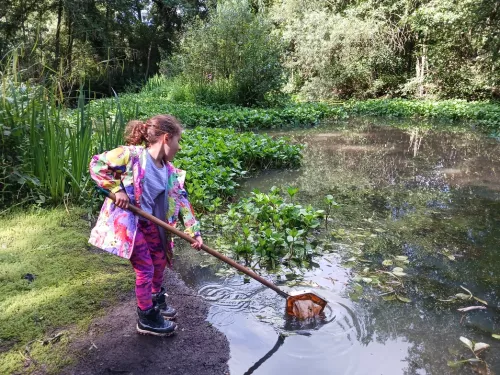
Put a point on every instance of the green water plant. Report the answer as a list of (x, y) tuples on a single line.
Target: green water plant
[(330, 205), (485, 114), (265, 230), (222, 116), (217, 159), (476, 348)]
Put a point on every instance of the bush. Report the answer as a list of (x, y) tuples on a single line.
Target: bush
[(234, 57)]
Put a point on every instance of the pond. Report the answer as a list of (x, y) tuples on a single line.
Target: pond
[(404, 189)]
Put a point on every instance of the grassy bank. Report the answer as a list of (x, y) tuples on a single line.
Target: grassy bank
[(51, 286)]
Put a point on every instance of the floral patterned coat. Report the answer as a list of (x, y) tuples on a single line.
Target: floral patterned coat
[(124, 167)]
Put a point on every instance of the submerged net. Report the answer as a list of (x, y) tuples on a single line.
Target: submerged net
[(305, 305), (306, 309)]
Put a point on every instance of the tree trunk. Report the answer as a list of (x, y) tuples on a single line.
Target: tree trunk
[(421, 69), (148, 62), (69, 53), (138, 10), (57, 62)]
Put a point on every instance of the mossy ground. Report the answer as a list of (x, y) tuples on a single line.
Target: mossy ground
[(72, 284)]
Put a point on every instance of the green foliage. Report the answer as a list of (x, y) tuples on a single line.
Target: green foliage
[(270, 231), (69, 287), (216, 159), (232, 58), (106, 45), (45, 151), (460, 43), (146, 105), (434, 49), (336, 55), (484, 114)]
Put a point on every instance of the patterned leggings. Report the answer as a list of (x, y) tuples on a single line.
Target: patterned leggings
[(149, 261)]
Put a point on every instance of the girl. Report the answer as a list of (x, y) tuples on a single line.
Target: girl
[(142, 172)]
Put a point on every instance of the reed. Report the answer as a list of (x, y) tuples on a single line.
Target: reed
[(44, 147)]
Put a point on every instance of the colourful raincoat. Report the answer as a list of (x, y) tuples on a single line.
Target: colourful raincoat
[(123, 168)]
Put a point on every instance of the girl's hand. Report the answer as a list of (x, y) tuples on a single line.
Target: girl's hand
[(197, 245), (121, 199)]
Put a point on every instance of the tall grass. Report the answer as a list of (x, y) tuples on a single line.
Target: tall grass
[(187, 90), (44, 147), (79, 148), (109, 133)]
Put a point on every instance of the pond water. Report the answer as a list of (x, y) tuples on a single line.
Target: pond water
[(404, 188)]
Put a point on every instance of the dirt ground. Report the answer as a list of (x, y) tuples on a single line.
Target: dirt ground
[(113, 347)]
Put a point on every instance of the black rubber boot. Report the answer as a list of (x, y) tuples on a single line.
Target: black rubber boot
[(168, 312), (151, 322)]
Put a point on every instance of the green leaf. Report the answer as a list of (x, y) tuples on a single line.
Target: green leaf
[(456, 364), (467, 342), (387, 262), (480, 300), (389, 298), (495, 336), (479, 346), (462, 296), (403, 299), (398, 271)]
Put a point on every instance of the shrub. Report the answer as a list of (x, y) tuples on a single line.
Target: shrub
[(234, 57)]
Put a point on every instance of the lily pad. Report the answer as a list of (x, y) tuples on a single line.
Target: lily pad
[(398, 271)]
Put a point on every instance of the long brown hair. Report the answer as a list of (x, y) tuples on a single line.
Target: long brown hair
[(138, 132)]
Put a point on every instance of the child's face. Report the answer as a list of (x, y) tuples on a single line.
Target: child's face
[(171, 146)]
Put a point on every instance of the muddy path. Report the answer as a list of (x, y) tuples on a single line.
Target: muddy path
[(112, 346)]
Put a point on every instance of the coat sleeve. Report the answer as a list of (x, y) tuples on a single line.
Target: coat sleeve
[(107, 168), (187, 215), (179, 205)]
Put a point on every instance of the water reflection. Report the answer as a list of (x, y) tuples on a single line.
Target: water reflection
[(431, 195)]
